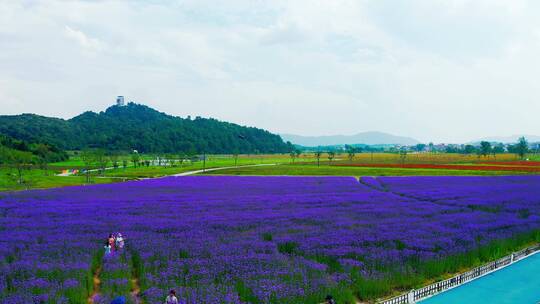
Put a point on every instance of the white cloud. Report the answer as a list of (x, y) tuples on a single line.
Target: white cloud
[(437, 70), (91, 44)]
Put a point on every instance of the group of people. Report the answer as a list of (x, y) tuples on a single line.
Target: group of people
[(114, 242), (171, 299)]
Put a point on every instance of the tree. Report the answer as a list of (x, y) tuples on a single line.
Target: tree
[(235, 156), (318, 155), (114, 157), (169, 159), (101, 160), (485, 148), (88, 159), (403, 154), (181, 158), (497, 149), (351, 152), (451, 149), (42, 152), (5, 155), (292, 154), (20, 160), (420, 147), (331, 156), (469, 149), (135, 158), (522, 147), (295, 154)]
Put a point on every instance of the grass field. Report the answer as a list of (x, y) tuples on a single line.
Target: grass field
[(413, 158), (212, 162), (346, 171), (303, 165), (37, 179)]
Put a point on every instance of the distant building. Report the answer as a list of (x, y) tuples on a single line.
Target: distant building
[(120, 101)]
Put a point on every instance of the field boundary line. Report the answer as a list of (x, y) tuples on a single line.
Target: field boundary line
[(426, 292)]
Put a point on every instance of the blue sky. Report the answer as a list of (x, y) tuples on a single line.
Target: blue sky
[(438, 71)]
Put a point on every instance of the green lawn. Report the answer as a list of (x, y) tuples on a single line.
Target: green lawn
[(534, 157), (212, 160), (346, 171), (156, 171), (37, 179), (146, 172)]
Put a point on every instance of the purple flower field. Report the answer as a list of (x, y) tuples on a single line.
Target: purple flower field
[(228, 239)]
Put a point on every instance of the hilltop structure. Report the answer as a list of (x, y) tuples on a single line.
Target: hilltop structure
[(120, 101)]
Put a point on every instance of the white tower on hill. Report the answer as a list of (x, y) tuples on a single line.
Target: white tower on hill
[(120, 101)]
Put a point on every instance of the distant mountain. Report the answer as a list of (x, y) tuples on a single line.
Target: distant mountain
[(367, 138), (138, 127), (509, 139)]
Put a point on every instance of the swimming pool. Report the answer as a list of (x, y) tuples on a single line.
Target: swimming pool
[(517, 283)]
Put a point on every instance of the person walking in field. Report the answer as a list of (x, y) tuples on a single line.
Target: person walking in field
[(119, 241), (112, 242), (171, 298), (107, 248), (329, 300)]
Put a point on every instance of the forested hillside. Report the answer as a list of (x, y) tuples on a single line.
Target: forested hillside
[(138, 127), (13, 151)]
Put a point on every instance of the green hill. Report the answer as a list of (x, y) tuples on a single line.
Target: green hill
[(138, 127), (18, 151)]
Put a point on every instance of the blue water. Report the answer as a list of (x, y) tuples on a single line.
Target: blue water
[(518, 283)]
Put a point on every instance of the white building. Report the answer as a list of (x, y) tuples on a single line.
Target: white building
[(120, 101)]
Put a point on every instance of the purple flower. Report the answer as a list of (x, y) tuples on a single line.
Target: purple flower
[(221, 239)]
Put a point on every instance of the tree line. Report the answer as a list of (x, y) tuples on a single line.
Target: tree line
[(485, 149)]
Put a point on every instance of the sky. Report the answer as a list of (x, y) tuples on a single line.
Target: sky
[(441, 71)]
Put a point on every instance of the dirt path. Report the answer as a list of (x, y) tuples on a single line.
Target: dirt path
[(136, 292), (95, 287), (178, 174), (218, 168)]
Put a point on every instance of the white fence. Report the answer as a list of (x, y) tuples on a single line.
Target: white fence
[(414, 296)]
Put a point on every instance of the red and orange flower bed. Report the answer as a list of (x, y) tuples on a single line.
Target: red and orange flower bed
[(514, 163), (484, 167)]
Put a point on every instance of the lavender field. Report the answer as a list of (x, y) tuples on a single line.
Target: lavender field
[(231, 239)]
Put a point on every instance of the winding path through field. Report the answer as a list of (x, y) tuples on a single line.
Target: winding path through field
[(70, 173), (96, 282), (136, 292), (218, 168)]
